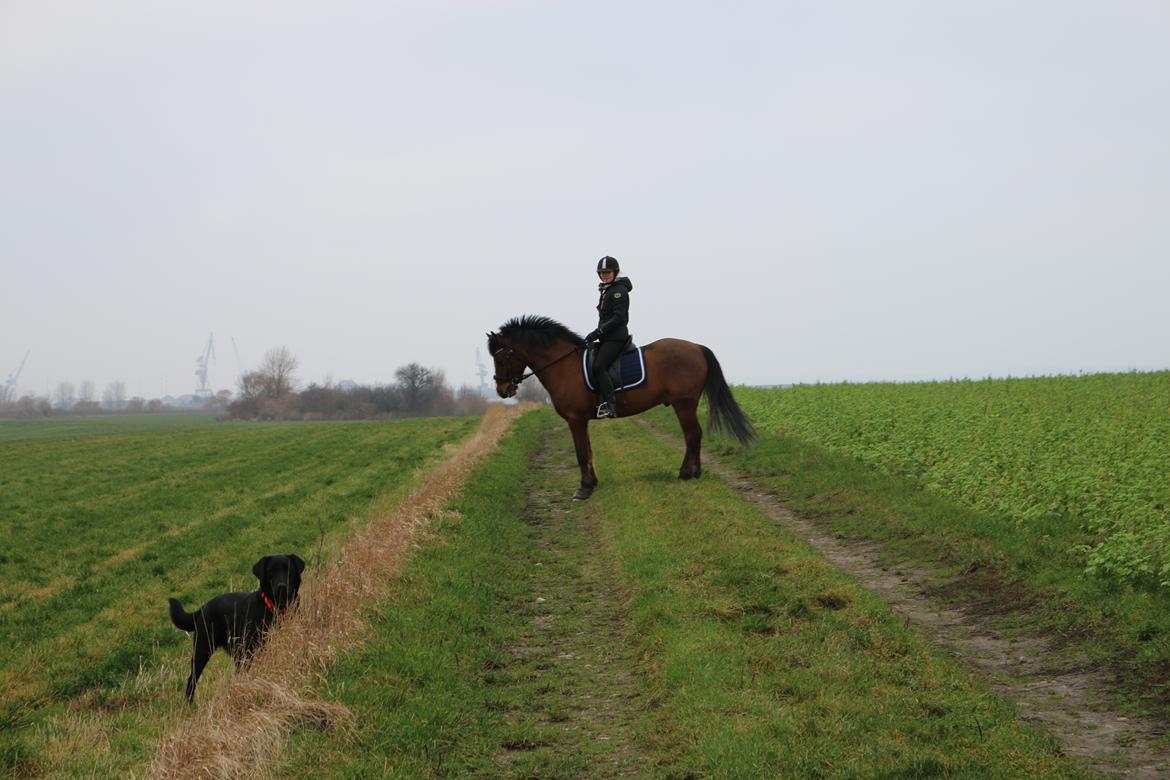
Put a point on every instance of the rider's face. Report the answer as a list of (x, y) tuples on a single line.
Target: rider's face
[(606, 276)]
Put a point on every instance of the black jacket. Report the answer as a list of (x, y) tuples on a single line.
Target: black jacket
[(613, 310)]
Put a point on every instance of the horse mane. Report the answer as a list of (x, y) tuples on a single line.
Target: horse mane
[(535, 331)]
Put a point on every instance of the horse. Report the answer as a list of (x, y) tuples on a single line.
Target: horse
[(678, 372)]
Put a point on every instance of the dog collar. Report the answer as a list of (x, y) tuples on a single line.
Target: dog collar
[(268, 603)]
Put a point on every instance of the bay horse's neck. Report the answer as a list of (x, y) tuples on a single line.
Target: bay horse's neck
[(553, 355), (554, 364)]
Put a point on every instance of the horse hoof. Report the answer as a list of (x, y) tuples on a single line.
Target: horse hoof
[(685, 475), (582, 494)]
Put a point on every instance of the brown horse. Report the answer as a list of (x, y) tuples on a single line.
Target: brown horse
[(677, 374)]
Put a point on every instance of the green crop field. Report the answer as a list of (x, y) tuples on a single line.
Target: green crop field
[(1042, 501), (13, 430), (662, 629), (102, 520), (1088, 452)]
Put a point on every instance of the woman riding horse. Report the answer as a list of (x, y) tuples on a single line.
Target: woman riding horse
[(613, 315), (677, 373)]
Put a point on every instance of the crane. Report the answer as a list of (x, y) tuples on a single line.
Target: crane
[(203, 391), (10, 383), (483, 374)]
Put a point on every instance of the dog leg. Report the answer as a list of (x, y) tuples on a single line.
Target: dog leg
[(198, 662)]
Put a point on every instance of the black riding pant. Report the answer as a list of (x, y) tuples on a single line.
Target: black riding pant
[(606, 354)]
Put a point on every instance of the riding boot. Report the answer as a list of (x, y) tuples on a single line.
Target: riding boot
[(605, 387)]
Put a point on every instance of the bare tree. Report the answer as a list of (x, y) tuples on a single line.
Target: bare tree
[(114, 396), (87, 392), (64, 395), (277, 372), (419, 386)]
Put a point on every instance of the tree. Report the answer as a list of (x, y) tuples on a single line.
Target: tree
[(419, 386), (277, 372), (87, 392), (64, 395), (114, 396)]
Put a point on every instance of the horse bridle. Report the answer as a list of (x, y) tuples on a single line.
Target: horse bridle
[(514, 381)]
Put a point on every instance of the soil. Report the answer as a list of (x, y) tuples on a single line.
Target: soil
[(1064, 695)]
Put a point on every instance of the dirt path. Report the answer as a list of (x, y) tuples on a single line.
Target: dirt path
[(1063, 696), (573, 664)]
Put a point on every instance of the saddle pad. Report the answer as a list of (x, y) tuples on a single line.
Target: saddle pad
[(633, 371)]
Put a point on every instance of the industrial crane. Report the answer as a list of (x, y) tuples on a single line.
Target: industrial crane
[(203, 390), (13, 378), (483, 374)]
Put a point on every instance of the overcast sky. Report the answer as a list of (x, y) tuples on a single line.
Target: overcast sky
[(817, 191)]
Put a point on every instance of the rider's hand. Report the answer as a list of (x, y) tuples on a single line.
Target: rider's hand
[(593, 336)]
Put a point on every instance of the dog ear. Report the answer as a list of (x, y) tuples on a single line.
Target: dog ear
[(258, 567), (296, 559)]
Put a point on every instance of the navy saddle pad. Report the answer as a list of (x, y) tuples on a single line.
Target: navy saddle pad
[(627, 372)]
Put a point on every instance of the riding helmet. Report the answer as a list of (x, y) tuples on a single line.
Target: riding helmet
[(608, 263)]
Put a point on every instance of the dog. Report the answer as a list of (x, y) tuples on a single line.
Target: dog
[(237, 622)]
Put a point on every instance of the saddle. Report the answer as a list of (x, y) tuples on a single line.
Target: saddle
[(627, 371)]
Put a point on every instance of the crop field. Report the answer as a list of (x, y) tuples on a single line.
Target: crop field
[(662, 629), (14, 430), (98, 528), (1089, 453)]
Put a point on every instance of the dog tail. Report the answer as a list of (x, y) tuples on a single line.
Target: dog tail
[(181, 618)]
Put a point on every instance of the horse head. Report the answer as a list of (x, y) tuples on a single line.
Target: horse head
[(509, 365)]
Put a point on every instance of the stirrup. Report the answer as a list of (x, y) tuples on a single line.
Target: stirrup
[(605, 411)]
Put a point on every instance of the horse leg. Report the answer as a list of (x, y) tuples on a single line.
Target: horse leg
[(687, 411), (580, 431)]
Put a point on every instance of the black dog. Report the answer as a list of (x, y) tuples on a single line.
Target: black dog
[(237, 621)]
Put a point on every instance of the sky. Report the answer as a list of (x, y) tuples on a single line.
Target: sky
[(818, 191)]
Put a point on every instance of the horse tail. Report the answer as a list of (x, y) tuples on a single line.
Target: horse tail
[(725, 413)]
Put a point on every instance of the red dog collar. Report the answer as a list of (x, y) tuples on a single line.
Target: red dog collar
[(268, 603)]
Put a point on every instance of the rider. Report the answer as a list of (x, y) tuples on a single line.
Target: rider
[(613, 313)]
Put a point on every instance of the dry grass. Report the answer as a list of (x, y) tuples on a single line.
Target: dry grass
[(241, 727)]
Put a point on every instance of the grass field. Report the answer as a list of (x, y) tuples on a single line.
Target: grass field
[(1009, 489), (749, 656), (662, 629), (61, 427), (1086, 456), (99, 526)]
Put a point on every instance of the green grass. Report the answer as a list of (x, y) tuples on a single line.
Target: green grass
[(1029, 574), (98, 530), (58, 427), (770, 662), (1084, 456), (751, 656)]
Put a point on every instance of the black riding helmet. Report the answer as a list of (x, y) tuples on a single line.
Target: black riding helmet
[(608, 263)]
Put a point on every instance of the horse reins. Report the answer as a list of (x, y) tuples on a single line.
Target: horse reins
[(514, 381)]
